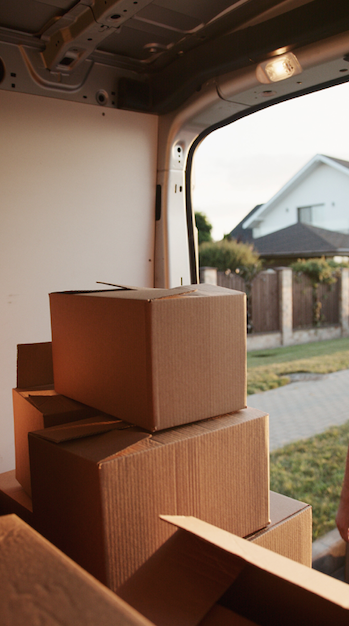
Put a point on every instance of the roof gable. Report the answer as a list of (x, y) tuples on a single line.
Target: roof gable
[(338, 164)]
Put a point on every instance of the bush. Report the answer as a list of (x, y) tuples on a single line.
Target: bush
[(318, 270), (230, 255)]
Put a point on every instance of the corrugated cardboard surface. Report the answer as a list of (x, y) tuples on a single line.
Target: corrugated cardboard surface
[(258, 584), (155, 358), (13, 498), (290, 530), (33, 412), (36, 406), (39, 585), (34, 365), (98, 498)]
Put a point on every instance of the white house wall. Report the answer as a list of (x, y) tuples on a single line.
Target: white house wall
[(77, 206), (325, 185)]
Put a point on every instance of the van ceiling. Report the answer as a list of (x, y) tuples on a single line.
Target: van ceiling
[(149, 55)]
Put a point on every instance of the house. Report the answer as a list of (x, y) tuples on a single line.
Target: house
[(308, 217)]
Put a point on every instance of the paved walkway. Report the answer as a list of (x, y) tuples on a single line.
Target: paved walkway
[(304, 408), (298, 411)]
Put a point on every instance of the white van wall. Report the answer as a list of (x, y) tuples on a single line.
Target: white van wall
[(77, 206)]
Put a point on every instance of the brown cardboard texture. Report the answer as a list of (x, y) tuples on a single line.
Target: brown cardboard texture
[(202, 567), (40, 585), (98, 498), (36, 405), (290, 530), (34, 366), (156, 358), (13, 499)]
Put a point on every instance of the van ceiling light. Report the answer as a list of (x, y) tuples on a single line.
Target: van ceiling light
[(278, 68)]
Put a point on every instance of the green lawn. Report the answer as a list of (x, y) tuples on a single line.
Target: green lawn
[(310, 470), (268, 369)]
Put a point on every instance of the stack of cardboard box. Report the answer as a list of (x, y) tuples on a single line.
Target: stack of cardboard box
[(168, 432)]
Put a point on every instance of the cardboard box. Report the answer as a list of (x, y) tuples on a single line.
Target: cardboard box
[(40, 585), (202, 569), (290, 530), (98, 497), (156, 358), (36, 405), (13, 499)]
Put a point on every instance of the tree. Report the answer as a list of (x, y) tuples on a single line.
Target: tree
[(204, 227), (320, 271)]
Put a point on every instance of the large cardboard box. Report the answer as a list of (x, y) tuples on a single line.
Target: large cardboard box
[(203, 575), (98, 496), (40, 585), (36, 405), (290, 530), (157, 358)]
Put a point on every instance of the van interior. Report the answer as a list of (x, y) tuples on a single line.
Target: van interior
[(103, 103)]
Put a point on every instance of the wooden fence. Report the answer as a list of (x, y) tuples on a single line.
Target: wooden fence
[(302, 299), (263, 304)]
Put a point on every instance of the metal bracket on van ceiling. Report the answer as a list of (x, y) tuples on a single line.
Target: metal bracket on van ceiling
[(76, 34)]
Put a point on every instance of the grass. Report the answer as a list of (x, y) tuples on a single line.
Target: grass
[(268, 369), (312, 471)]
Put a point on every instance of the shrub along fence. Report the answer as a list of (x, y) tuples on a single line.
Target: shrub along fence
[(280, 306)]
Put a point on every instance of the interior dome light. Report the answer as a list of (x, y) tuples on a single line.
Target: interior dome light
[(278, 68)]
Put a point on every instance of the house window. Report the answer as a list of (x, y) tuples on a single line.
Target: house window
[(308, 214)]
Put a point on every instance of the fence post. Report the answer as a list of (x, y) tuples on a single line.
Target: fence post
[(285, 303), (344, 302), (208, 275)]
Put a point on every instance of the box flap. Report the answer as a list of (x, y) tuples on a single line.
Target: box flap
[(37, 393), (180, 582), (151, 293), (299, 575), (52, 403), (175, 292), (40, 585), (82, 428), (124, 287), (34, 365), (147, 294), (205, 290)]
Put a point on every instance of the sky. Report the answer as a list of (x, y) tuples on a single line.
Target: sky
[(247, 162)]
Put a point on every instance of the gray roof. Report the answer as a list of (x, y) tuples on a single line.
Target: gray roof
[(302, 240), (244, 234)]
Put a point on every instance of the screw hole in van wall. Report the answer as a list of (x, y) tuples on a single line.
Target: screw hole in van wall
[(102, 97)]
